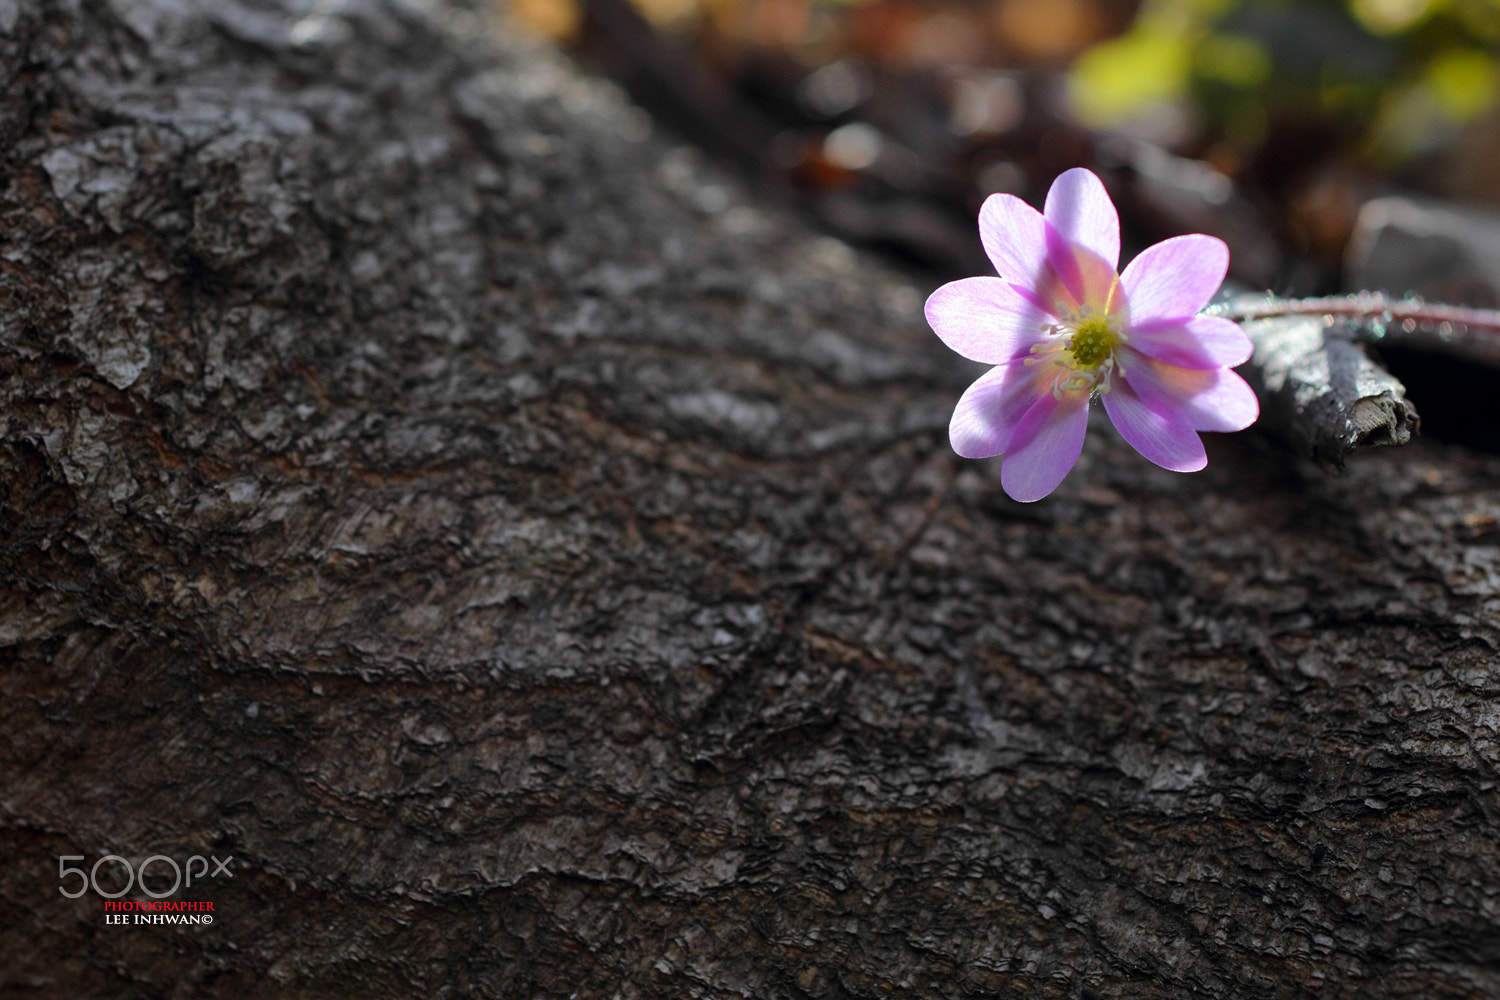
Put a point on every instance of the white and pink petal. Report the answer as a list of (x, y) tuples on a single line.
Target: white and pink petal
[(986, 319), (1045, 445), (1199, 342), (1174, 278), (1080, 210), (989, 410), (1080, 276), (1014, 237), (1214, 399), (1159, 436)]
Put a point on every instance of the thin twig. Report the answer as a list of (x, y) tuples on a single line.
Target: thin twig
[(1473, 334)]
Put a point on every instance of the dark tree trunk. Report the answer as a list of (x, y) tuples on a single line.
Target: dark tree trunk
[(545, 573)]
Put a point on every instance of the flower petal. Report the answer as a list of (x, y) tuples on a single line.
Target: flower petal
[(1215, 399), (1175, 278), (1200, 342), (1014, 236), (1045, 445), (1079, 276), (1159, 437), (986, 319), (989, 410), (1080, 210)]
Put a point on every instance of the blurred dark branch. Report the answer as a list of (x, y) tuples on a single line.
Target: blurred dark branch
[(674, 84)]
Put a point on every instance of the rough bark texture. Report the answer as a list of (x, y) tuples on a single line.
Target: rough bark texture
[(546, 574)]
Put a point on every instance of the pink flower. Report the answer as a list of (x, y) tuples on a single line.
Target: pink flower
[(1060, 325)]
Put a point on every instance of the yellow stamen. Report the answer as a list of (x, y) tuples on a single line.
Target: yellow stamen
[(1093, 343), (1084, 346)]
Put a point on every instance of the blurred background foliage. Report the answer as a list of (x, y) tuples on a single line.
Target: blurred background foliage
[(1397, 77), (1269, 122)]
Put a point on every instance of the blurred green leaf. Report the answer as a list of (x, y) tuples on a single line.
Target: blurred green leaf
[(1462, 82), (1150, 64), (1232, 59), (1391, 77)]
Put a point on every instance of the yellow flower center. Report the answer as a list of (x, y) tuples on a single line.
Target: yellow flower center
[(1093, 343), (1083, 346)]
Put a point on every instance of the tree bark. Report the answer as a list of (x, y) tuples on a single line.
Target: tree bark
[(544, 572)]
